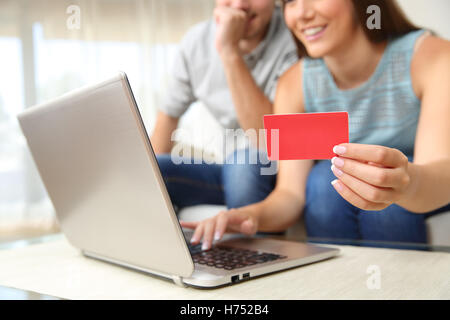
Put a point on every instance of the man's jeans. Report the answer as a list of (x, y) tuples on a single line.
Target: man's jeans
[(232, 184)]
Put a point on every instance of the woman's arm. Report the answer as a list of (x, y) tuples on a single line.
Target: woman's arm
[(430, 171), (284, 205), (374, 177)]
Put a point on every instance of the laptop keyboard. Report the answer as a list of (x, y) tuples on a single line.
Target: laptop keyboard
[(229, 258)]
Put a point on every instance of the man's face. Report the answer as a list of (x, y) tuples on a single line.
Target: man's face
[(259, 14)]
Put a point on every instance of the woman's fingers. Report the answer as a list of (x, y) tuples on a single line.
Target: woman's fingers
[(212, 229), (374, 175), (370, 176), (248, 227), (385, 156), (355, 199), (364, 190), (198, 234), (221, 225), (208, 233), (240, 221), (189, 224)]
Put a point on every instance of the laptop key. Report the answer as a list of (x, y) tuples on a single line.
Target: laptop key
[(230, 258)]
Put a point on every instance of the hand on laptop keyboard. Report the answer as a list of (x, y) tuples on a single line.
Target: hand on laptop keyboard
[(240, 220)]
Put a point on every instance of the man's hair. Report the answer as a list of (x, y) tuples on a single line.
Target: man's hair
[(393, 22)]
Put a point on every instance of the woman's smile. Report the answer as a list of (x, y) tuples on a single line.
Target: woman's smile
[(314, 33)]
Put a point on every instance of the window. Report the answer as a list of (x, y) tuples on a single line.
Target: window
[(42, 59)]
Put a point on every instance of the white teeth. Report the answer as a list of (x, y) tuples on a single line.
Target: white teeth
[(313, 31)]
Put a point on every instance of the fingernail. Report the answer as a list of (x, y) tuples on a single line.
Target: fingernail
[(193, 240), (217, 235), (337, 185), (339, 149), (205, 245), (336, 171), (338, 162)]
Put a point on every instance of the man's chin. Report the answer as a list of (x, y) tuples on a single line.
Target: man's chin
[(251, 34)]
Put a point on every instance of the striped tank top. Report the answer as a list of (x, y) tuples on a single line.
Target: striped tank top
[(384, 110)]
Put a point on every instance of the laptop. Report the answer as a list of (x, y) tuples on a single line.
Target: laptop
[(96, 161)]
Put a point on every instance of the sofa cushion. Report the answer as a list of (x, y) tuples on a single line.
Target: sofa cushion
[(438, 229)]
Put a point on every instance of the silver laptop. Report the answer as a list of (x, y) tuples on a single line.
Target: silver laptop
[(97, 164)]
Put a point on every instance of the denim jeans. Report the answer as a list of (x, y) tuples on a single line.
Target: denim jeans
[(231, 184), (328, 215)]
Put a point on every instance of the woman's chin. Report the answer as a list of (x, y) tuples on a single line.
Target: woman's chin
[(316, 52)]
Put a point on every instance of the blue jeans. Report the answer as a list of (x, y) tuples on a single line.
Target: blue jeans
[(328, 215), (231, 184)]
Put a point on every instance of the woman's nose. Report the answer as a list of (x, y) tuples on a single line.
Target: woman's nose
[(303, 9)]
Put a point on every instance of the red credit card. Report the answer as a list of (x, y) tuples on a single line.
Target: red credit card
[(300, 136)]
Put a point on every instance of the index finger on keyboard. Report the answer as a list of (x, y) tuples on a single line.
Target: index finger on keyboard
[(189, 224)]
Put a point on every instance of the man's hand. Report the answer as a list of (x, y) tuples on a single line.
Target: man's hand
[(231, 28)]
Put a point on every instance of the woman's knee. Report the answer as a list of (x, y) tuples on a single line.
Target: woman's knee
[(326, 213), (319, 191)]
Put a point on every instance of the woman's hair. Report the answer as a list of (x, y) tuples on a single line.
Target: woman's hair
[(393, 22)]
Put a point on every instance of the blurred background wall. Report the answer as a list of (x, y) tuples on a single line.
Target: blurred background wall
[(41, 57), (431, 14)]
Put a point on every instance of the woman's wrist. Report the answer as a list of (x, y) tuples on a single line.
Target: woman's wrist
[(255, 210), (409, 195), (279, 210)]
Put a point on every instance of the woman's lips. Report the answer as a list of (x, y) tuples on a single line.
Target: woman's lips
[(314, 33)]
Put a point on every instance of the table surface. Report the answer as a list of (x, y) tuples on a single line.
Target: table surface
[(55, 268)]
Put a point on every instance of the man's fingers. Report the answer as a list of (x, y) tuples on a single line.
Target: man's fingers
[(223, 13)]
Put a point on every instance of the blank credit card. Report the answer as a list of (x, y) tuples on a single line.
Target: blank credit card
[(303, 136)]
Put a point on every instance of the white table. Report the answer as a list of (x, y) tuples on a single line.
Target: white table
[(56, 268)]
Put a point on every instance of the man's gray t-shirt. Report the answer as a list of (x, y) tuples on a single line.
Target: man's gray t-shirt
[(198, 73)]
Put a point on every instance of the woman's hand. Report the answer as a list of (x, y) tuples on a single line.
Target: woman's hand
[(370, 177), (234, 220)]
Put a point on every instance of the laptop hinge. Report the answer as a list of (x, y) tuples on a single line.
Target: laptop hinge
[(178, 281)]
